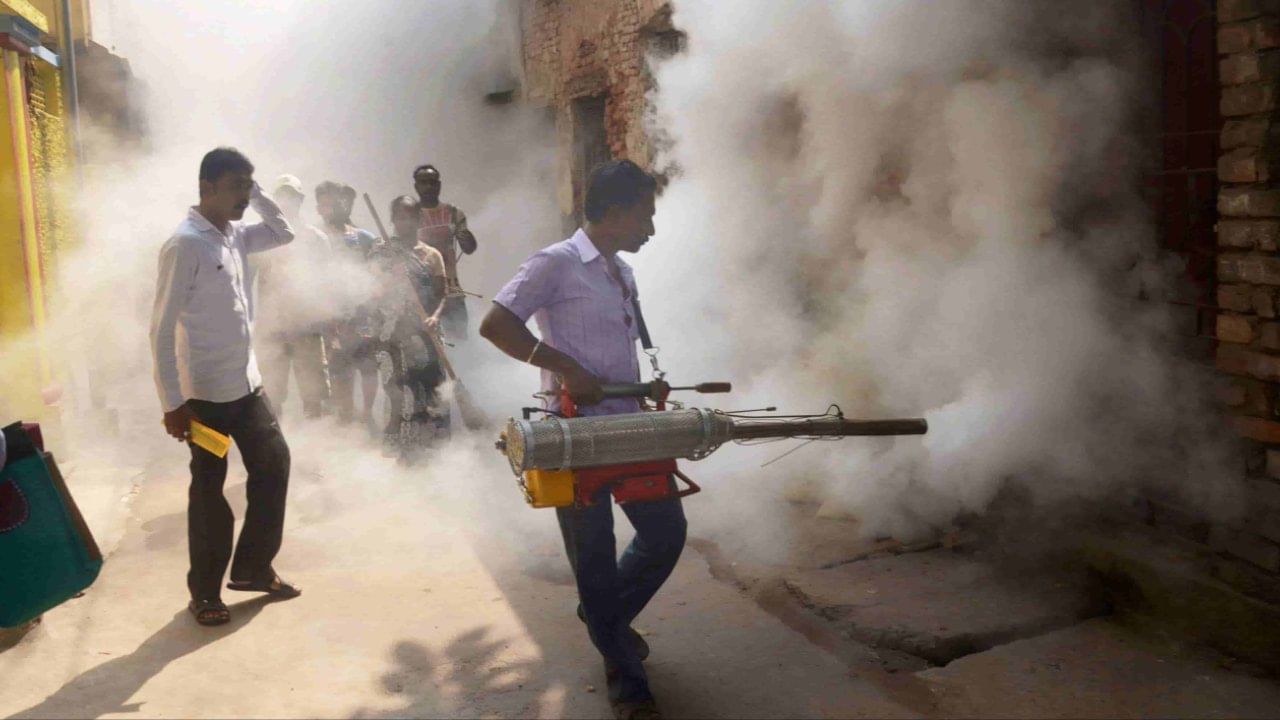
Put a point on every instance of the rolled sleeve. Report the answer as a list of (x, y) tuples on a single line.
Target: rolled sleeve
[(534, 286)]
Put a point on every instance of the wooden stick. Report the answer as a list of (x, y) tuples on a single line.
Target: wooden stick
[(382, 230)]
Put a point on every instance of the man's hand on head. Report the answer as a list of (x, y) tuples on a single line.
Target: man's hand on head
[(177, 422)]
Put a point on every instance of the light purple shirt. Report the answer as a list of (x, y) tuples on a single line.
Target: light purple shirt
[(582, 312)]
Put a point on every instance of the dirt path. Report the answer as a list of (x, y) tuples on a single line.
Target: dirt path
[(418, 602), (434, 592)]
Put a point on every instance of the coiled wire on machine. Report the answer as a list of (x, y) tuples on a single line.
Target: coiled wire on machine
[(801, 421)]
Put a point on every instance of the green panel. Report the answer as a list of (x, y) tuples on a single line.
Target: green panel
[(44, 561)]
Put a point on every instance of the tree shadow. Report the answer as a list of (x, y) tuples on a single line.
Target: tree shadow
[(462, 681), (104, 689), (533, 575)]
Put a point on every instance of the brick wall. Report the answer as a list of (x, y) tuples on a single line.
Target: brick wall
[(1248, 274), (591, 48)]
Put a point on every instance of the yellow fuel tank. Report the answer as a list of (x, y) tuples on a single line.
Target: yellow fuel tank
[(548, 488)]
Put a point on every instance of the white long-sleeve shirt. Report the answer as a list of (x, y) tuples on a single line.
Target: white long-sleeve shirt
[(202, 322)]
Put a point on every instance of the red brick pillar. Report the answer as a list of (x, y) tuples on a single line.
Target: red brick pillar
[(1248, 273)]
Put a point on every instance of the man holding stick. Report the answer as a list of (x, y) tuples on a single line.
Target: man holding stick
[(410, 305)]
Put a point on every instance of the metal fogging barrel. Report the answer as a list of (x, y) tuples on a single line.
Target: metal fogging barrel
[(583, 442)]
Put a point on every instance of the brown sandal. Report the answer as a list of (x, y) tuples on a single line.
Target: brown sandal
[(276, 588), (209, 612)]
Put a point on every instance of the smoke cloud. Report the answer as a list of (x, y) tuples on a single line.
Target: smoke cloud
[(908, 208), (359, 93), (927, 209)]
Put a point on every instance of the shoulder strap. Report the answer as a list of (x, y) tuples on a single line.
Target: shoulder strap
[(641, 328)]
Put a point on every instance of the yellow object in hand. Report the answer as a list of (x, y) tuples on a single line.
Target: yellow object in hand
[(209, 439)]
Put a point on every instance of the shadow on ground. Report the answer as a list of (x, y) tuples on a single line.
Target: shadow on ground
[(105, 689), (468, 678)]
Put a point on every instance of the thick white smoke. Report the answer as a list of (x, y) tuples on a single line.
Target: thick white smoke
[(359, 93), (908, 208), (925, 209)]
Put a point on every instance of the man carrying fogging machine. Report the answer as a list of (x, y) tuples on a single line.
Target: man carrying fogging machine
[(596, 442), (583, 297)]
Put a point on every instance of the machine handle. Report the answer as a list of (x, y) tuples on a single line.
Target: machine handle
[(657, 391), (626, 390)]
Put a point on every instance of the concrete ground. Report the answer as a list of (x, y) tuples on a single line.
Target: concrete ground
[(1098, 670), (436, 593)]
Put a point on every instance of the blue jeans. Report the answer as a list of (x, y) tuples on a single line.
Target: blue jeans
[(613, 591)]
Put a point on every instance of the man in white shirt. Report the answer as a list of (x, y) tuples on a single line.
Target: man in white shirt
[(208, 372)]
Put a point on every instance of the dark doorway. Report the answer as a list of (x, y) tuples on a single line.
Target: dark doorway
[(1183, 184), (590, 146)]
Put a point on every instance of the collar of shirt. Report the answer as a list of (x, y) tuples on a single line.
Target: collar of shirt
[(202, 223), (587, 250)]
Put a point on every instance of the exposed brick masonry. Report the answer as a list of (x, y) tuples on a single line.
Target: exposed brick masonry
[(590, 48), (1248, 269)]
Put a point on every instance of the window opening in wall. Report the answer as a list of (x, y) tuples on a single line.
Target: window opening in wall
[(590, 146), (665, 44)]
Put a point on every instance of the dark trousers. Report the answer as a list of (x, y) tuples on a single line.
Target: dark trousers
[(250, 422), (613, 591)]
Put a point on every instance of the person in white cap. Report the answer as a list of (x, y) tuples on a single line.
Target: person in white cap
[(290, 317)]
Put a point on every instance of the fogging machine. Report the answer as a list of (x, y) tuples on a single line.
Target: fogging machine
[(564, 459)]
